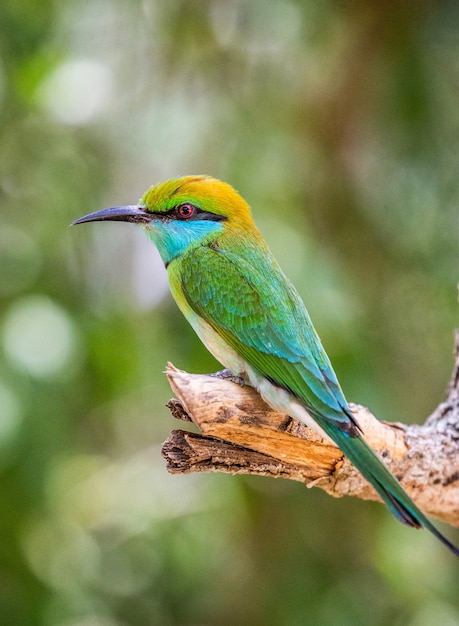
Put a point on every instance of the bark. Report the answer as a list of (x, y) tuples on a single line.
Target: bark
[(240, 434)]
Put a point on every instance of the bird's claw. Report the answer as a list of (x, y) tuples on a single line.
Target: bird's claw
[(227, 374)]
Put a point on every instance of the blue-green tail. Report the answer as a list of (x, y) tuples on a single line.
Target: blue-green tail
[(389, 488)]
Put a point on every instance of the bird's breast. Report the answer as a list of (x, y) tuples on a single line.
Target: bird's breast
[(218, 346)]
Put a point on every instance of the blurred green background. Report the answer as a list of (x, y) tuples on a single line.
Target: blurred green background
[(339, 123)]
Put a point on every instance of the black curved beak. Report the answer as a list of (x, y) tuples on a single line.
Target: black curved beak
[(130, 213)]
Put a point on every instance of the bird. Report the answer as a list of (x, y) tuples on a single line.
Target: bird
[(248, 314)]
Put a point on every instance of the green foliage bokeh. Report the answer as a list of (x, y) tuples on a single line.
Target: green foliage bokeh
[(338, 122)]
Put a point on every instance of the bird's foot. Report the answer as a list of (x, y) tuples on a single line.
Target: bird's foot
[(227, 374)]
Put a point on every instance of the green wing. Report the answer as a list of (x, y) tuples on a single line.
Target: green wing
[(253, 306)]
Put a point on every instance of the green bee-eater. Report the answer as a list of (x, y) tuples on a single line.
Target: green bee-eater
[(230, 288)]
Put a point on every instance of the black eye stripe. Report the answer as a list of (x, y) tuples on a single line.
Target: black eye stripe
[(206, 215), (173, 214)]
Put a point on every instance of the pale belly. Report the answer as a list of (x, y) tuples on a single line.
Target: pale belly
[(219, 348), (278, 398)]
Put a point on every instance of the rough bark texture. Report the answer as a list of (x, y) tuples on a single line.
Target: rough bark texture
[(240, 434)]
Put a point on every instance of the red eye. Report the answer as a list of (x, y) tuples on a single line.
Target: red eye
[(186, 210)]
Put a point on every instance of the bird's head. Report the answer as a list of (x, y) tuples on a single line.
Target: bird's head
[(182, 213)]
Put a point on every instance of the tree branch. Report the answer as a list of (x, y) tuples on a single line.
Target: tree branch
[(240, 434)]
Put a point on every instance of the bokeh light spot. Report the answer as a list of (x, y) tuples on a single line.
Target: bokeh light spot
[(76, 91), (39, 337)]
